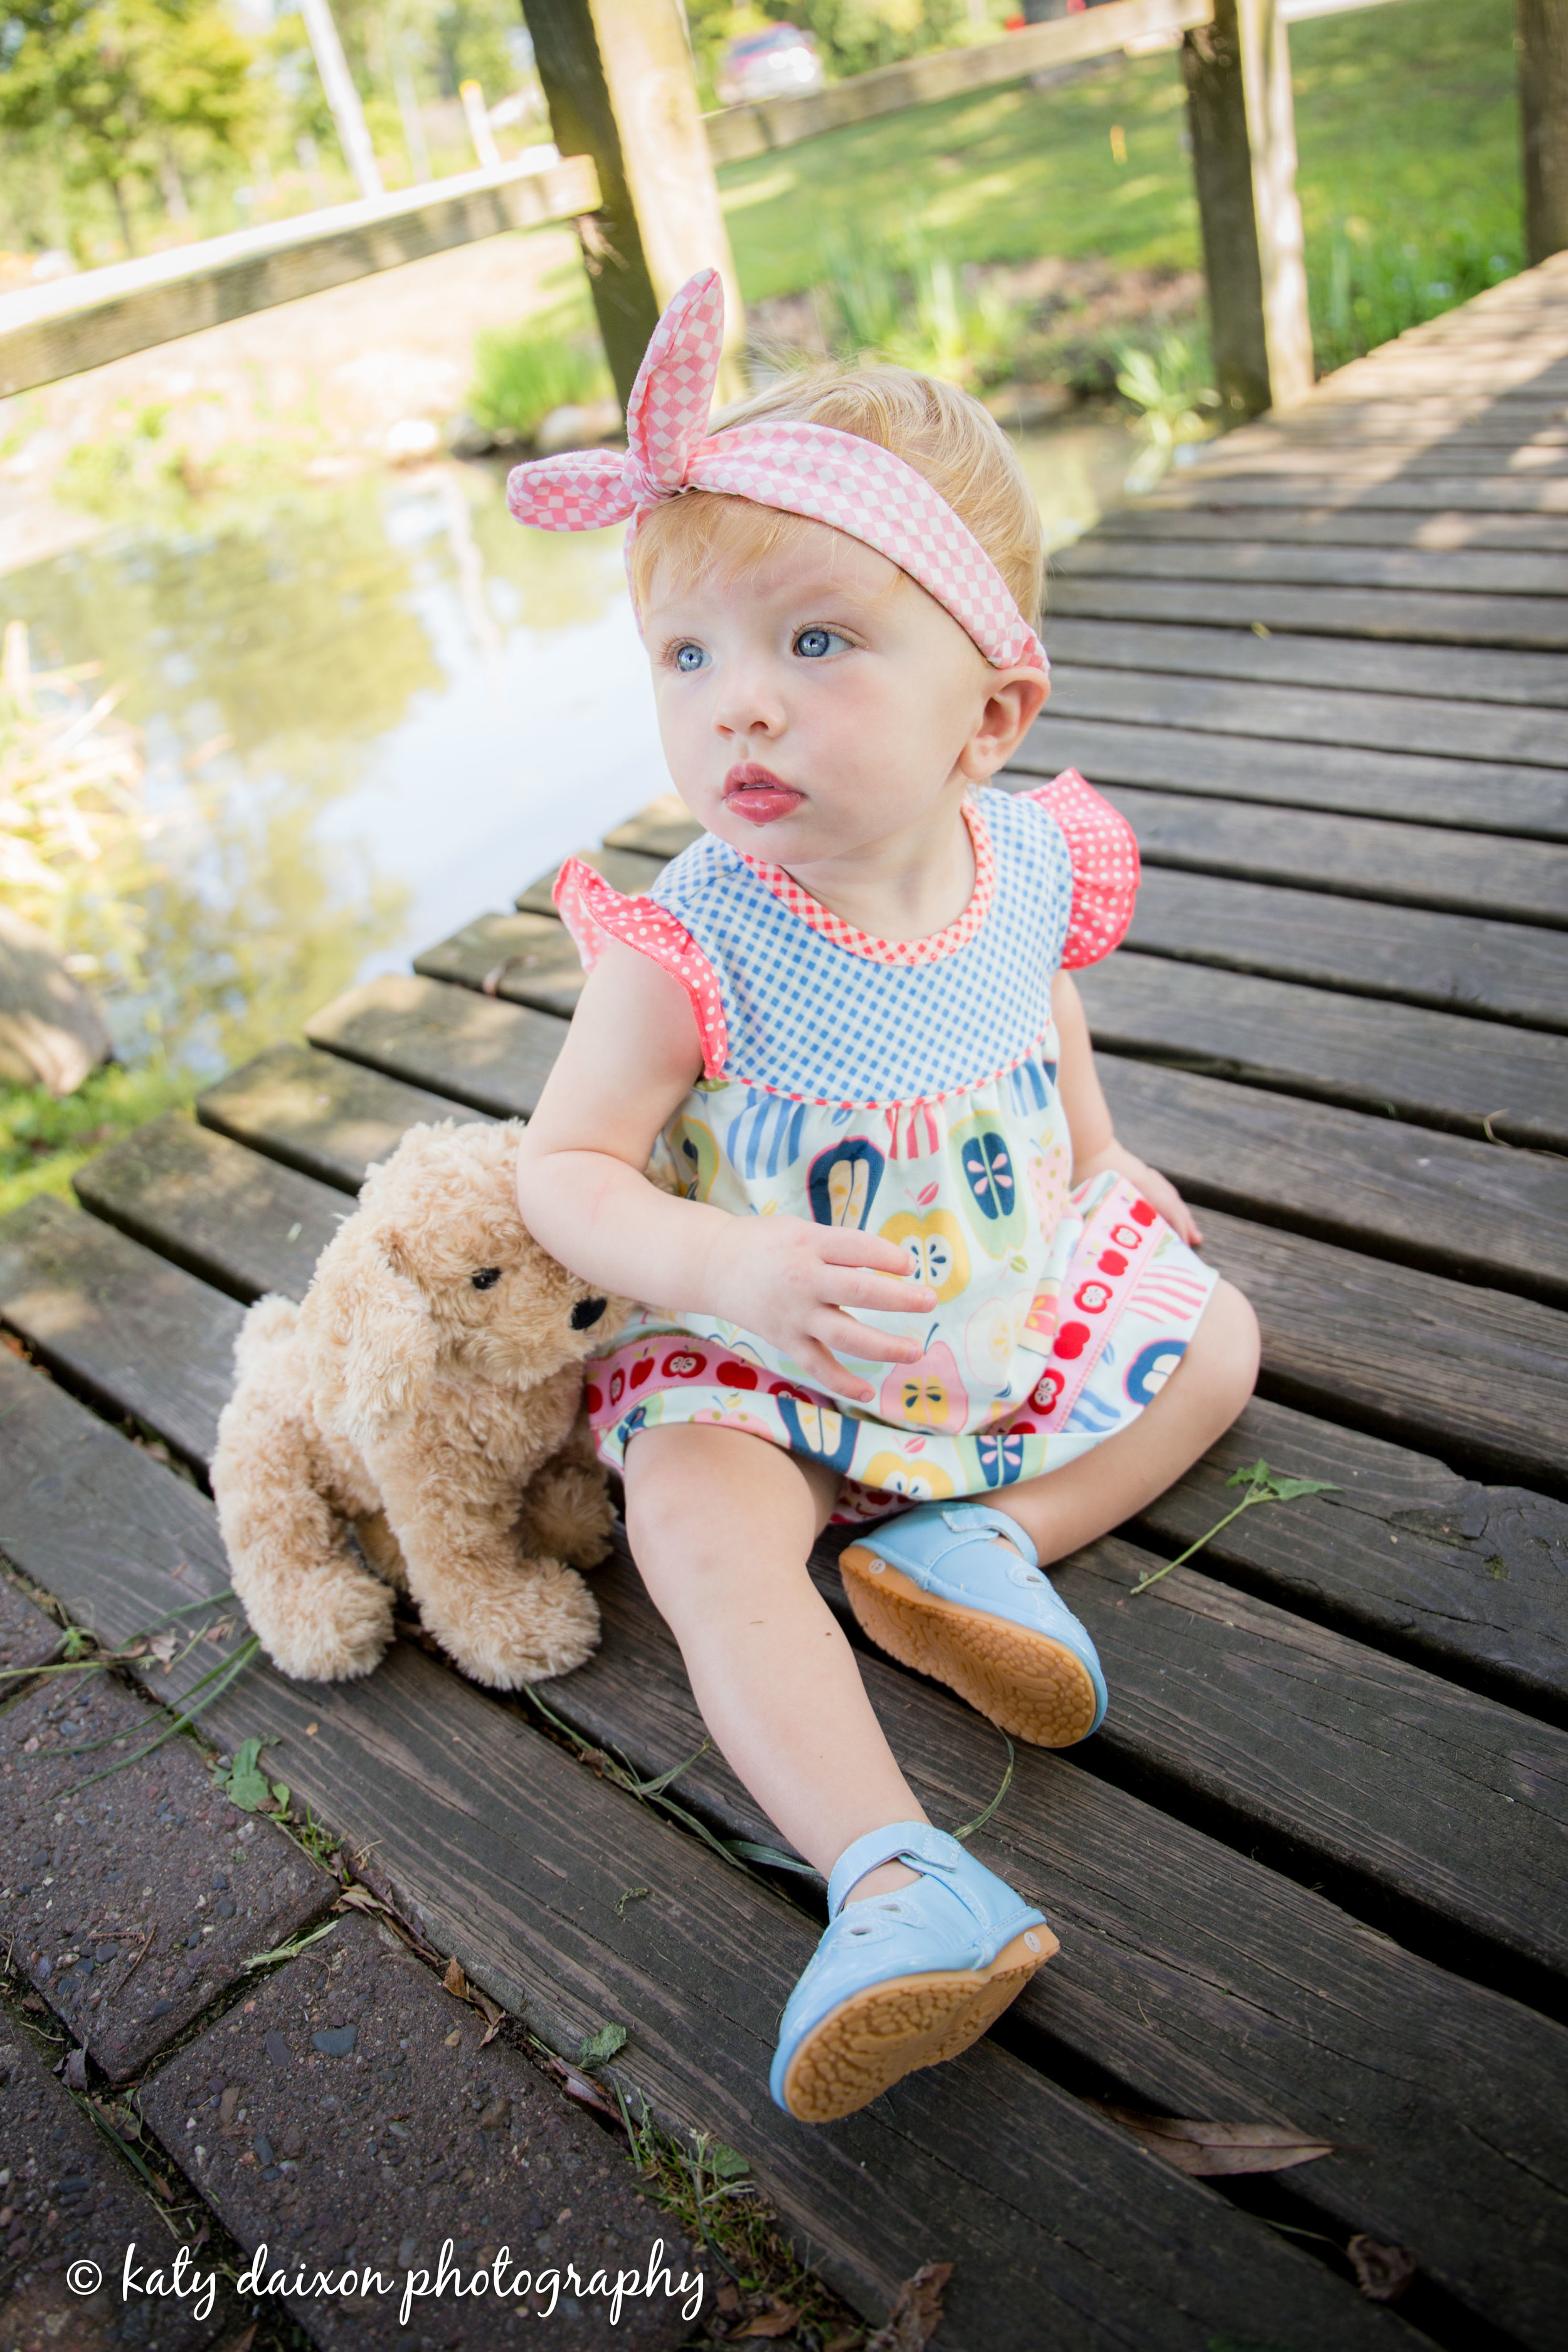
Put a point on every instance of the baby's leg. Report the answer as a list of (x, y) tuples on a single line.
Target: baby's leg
[(721, 1526), (1071, 1507)]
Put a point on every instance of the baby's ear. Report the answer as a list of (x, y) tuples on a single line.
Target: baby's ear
[(382, 1329)]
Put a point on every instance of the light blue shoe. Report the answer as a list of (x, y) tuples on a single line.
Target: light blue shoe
[(902, 1981), (938, 1591)]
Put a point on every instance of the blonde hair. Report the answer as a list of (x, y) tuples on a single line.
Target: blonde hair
[(939, 430)]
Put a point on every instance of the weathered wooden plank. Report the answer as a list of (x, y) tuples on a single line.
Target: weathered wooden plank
[(1421, 493), (330, 1119), (527, 958), (627, 870), (493, 1057), (1437, 1069), (1482, 796), (516, 1859), (1400, 864), (1503, 971), (1452, 1369), (1537, 683), (1408, 615), (663, 829), (1464, 1579), (1457, 1207), (138, 1335), (244, 1223), (72, 324), (1459, 573), (1298, 714), (1206, 1983), (1310, 522), (1395, 1778)]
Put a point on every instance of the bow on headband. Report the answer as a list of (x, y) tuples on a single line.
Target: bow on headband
[(806, 469)]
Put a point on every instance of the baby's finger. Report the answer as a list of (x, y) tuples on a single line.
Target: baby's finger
[(826, 1373), (883, 1294), (843, 1245), (848, 1336)]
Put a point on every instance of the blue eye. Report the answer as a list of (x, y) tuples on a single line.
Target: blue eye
[(689, 658), (813, 644)]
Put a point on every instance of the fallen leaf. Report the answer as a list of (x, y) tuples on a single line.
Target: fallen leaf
[(851, 2338), (605, 2044), (1212, 2148), (577, 2085), (358, 1899), (162, 1646), (916, 2314), (777, 2322), (455, 1981), (1383, 2273), (453, 2038)]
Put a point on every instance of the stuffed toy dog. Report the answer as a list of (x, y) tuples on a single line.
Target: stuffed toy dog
[(425, 1396)]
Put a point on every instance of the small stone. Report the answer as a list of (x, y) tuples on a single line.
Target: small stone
[(277, 2049), (228, 2104), (337, 2041)]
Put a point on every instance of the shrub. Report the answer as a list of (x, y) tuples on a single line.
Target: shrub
[(522, 373)]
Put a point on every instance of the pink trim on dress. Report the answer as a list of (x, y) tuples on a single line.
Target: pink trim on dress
[(933, 949), (593, 912), (1105, 867)]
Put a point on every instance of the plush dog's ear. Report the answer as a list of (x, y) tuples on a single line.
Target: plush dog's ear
[(378, 1328)]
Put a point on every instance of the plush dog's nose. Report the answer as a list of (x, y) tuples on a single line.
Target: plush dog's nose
[(587, 1313)]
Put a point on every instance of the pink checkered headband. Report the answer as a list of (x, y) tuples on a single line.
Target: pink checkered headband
[(805, 469)]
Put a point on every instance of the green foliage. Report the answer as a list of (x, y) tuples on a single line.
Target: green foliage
[(117, 88), (1170, 383), (246, 1785), (521, 374), (857, 36), (44, 1141), (1259, 1483), (911, 303), (1364, 287)]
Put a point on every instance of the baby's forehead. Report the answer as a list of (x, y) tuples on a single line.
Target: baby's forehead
[(787, 558)]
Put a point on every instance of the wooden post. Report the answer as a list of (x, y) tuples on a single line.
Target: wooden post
[(1237, 73), (342, 97), (621, 87), (1541, 40)]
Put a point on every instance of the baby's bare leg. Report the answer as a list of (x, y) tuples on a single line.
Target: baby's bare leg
[(721, 1526), (1203, 1396)]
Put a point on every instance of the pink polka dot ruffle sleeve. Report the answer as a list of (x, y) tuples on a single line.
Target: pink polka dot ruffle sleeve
[(593, 912), (1104, 851)]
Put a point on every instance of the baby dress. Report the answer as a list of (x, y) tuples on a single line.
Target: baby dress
[(907, 1088)]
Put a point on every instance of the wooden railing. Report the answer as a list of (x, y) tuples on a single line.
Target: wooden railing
[(740, 132), (72, 323)]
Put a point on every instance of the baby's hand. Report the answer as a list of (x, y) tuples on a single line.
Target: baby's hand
[(792, 1283)]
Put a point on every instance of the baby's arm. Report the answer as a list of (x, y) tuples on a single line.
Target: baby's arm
[(631, 1055), (1094, 1144)]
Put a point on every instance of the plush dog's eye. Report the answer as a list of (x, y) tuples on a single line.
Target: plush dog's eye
[(487, 1278), (587, 1313)]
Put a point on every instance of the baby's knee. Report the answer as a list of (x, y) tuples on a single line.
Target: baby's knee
[(1228, 1345)]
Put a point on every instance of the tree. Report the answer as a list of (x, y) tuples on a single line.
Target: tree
[(113, 83)]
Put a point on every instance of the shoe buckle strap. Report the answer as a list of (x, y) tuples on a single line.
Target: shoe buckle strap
[(931, 1851)]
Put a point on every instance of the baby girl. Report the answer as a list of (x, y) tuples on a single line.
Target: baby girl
[(829, 1100)]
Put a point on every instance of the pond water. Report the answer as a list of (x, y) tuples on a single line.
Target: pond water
[(369, 713)]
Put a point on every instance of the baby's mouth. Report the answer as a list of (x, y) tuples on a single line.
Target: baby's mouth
[(758, 795)]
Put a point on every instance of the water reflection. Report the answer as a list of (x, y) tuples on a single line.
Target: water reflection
[(370, 711)]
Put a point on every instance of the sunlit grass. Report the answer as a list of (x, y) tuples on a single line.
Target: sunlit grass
[(1406, 125)]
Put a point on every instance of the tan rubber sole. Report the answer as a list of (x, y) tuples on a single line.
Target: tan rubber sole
[(1032, 1687), (874, 2039)]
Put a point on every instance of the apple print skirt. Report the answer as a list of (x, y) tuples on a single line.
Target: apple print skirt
[(836, 1089)]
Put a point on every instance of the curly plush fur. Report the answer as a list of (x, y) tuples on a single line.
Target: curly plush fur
[(425, 1396)]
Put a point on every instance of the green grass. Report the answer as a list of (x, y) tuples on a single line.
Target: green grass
[(43, 1142), (1406, 123), (521, 374)]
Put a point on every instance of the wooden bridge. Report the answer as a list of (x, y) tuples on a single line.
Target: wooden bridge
[(1311, 1872)]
